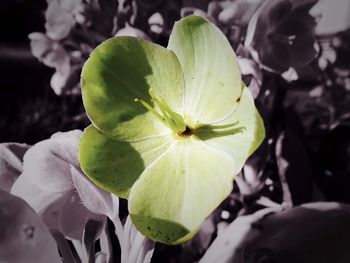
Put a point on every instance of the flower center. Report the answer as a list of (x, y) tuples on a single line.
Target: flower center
[(186, 132), (171, 119)]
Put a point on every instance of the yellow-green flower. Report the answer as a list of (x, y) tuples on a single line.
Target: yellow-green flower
[(171, 127)]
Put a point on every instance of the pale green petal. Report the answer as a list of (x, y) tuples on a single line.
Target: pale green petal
[(243, 138), (113, 165), (122, 69), (175, 194), (212, 77)]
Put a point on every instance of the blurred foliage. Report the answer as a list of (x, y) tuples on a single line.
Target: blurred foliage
[(295, 63)]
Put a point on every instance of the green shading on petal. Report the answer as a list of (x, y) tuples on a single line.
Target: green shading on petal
[(114, 165), (180, 189), (240, 139), (212, 77), (122, 69)]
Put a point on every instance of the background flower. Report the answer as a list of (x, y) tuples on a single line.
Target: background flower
[(305, 109), (46, 184)]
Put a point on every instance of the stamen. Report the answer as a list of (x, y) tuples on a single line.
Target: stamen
[(170, 118), (149, 107)]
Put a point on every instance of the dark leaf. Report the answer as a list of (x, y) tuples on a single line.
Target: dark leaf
[(92, 230), (294, 169)]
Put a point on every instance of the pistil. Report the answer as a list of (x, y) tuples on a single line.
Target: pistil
[(171, 119)]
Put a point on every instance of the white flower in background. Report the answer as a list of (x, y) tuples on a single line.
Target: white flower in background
[(53, 55), (60, 17), (23, 236), (52, 183), (47, 185)]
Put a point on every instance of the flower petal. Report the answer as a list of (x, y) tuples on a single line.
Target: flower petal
[(73, 215), (113, 165), (175, 194), (11, 163), (38, 198), (23, 236), (212, 78), (243, 138), (93, 198), (122, 69), (59, 22), (47, 163)]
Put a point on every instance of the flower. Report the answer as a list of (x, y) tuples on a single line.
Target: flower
[(52, 54), (61, 17), (50, 184), (170, 127), (24, 237), (281, 35)]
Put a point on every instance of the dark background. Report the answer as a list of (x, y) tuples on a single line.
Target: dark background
[(29, 109)]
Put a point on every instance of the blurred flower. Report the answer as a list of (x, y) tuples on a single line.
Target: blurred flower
[(250, 68), (23, 236), (156, 23), (229, 244), (290, 75), (132, 31), (48, 51), (52, 54), (11, 163), (55, 187), (280, 35), (60, 17), (236, 12), (47, 184), (333, 16), (298, 234), (187, 11)]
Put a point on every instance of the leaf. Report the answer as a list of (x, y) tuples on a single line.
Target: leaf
[(92, 231), (294, 169), (200, 242), (333, 158), (23, 236), (11, 163), (228, 246), (313, 232), (63, 246)]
